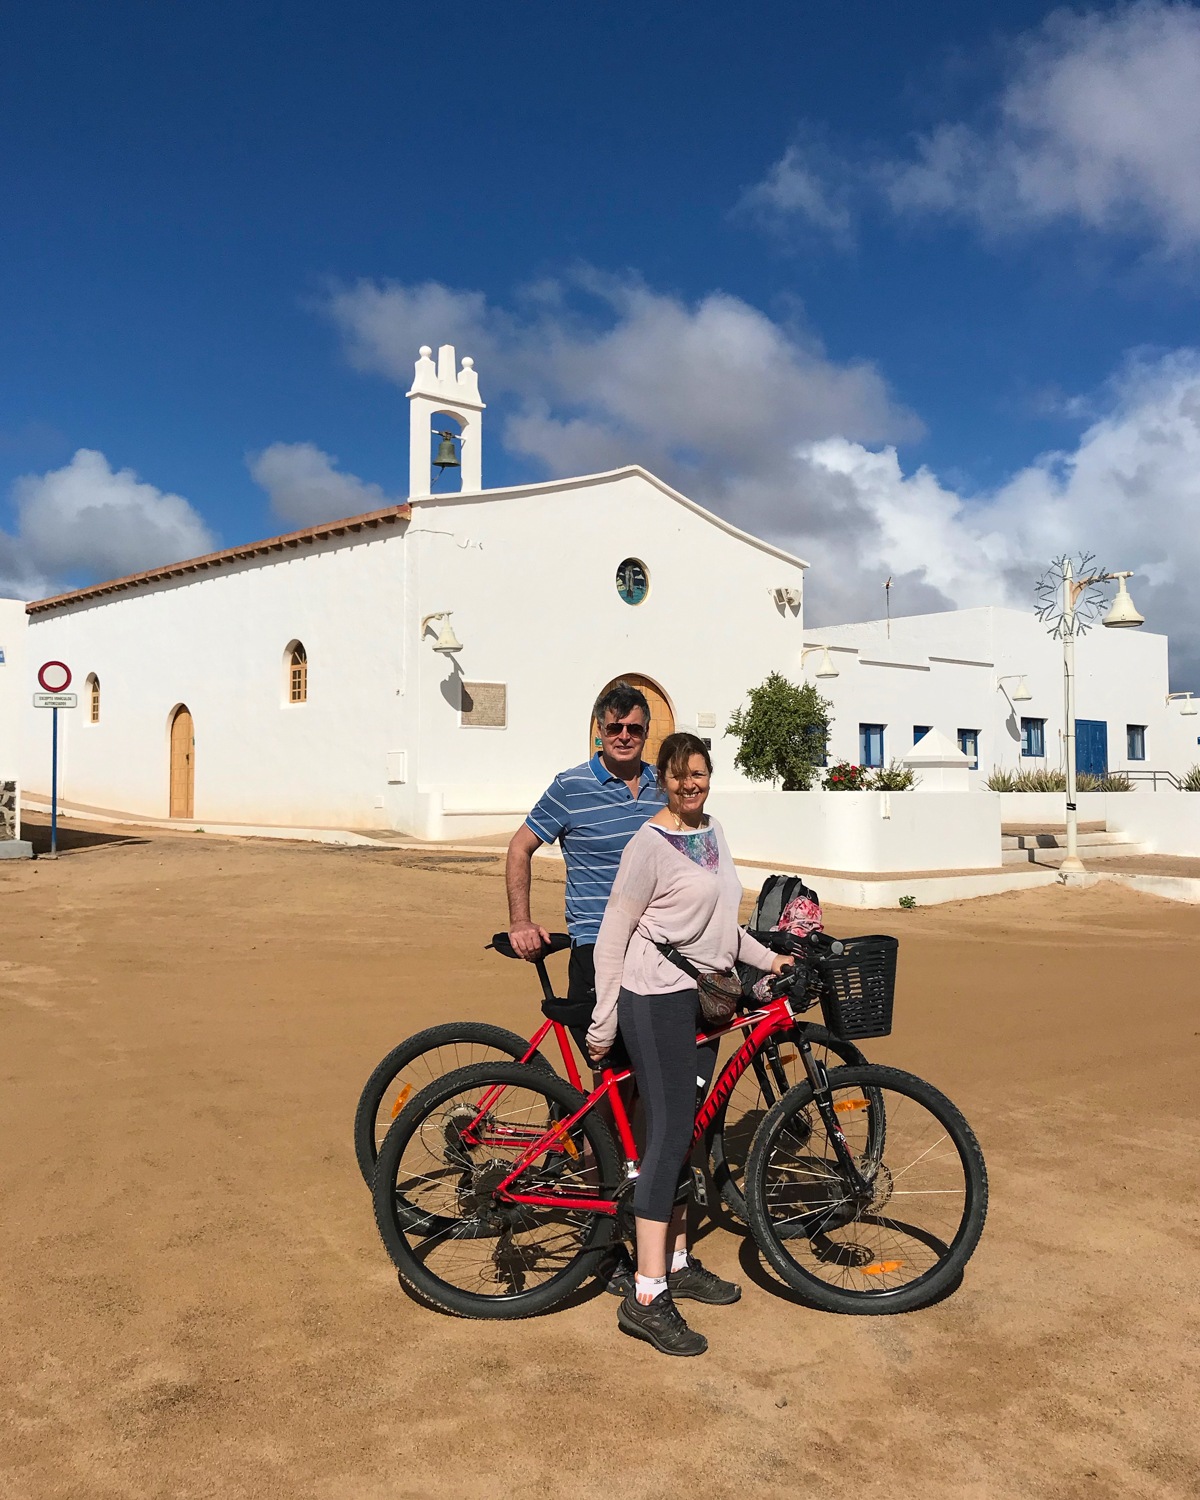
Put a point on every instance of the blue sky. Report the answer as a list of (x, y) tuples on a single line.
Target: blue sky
[(936, 264)]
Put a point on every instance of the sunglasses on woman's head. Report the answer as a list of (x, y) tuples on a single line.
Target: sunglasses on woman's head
[(637, 731)]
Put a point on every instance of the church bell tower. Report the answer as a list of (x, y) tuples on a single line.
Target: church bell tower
[(444, 390)]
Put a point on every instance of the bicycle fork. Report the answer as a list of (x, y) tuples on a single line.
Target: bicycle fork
[(818, 1077)]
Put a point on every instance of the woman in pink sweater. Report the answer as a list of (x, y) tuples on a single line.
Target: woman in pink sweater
[(676, 884)]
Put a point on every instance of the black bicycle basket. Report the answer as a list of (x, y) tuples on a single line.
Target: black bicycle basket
[(858, 987)]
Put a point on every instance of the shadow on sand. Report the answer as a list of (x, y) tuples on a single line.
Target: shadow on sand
[(36, 828)]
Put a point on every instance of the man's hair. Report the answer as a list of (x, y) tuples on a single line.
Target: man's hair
[(620, 699), (675, 753)]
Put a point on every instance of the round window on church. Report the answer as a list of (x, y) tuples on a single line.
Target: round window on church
[(633, 582)]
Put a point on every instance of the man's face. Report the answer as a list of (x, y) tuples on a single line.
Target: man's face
[(624, 737)]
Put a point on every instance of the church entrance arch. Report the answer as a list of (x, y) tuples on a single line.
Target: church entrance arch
[(662, 719), (183, 764)]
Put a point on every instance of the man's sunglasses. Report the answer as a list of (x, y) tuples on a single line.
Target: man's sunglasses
[(635, 731)]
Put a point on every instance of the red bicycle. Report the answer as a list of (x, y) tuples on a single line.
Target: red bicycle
[(431, 1054), (499, 1187)]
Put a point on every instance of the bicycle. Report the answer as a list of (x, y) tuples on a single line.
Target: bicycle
[(438, 1050), (499, 1187)]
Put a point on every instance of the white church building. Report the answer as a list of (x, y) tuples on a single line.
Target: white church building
[(428, 667)]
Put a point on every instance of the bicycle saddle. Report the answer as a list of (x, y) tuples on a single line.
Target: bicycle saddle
[(558, 941)]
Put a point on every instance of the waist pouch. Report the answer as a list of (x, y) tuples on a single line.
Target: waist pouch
[(721, 993)]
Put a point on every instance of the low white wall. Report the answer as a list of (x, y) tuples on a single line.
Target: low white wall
[(868, 832), (1050, 808), (1167, 823)]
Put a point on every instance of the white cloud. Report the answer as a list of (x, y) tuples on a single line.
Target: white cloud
[(605, 367), (753, 419), (1130, 491), (1099, 124), (305, 486), (88, 520), (799, 187)]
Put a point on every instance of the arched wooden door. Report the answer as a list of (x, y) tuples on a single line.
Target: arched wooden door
[(183, 764), (662, 720)]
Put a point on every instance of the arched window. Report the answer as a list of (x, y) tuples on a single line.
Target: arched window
[(297, 673), (93, 692)]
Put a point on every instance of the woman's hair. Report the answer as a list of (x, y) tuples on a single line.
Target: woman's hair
[(675, 752)]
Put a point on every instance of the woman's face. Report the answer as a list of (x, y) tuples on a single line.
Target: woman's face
[(689, 792)]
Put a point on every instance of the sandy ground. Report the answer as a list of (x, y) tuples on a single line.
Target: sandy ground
[(196, 1303)]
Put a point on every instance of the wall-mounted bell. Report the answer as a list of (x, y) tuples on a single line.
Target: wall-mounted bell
[(447, 454)]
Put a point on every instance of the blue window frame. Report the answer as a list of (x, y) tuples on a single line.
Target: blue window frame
[(1033, 737), (1135, 742), (870, 744), (920, 731), (968, 743)]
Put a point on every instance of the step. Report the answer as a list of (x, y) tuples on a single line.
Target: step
[(1091, 826), (1057, 839), (1053, 856)]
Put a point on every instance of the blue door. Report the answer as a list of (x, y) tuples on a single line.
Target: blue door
[(1091, 746)]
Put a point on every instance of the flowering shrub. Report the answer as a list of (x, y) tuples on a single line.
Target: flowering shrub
[(843, 777)]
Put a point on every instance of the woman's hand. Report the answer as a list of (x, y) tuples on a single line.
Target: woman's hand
[(781, 962), (598, 1054)]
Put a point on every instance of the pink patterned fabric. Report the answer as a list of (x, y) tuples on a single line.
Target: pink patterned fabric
[(799, 917)]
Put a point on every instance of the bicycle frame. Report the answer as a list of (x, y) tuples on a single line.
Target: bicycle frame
[(778, 1015), (564, 1046)]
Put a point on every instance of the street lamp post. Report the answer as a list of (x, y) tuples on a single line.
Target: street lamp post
[(1069, 604)]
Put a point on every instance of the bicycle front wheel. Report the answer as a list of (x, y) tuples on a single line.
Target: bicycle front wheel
[(898, 1246), (776, 1068), (453, 1239), (411, 1066)]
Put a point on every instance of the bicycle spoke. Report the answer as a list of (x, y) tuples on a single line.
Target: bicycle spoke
[(861, 1243), (447, 1176)]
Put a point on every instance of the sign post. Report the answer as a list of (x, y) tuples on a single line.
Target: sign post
[(54, 698)]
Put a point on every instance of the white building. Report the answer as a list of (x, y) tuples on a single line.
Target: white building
[(429, 666), (991, 680)]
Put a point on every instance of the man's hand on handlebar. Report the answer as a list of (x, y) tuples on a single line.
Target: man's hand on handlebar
[(528, 939)]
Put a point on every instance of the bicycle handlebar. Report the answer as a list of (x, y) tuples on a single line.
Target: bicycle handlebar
[(789, 942), (818, 945)]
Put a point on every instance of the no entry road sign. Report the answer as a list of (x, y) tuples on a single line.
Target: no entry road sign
[(59, 675), (56, 700)]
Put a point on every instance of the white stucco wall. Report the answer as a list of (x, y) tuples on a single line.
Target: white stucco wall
[(942, 670), (866, 832), (1166, 823), (215, 641), (529, 576)]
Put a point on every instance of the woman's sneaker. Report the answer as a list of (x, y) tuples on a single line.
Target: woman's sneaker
[(660, 1324), (694, 1282)]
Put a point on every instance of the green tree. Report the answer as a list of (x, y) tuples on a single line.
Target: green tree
[(783, 733)]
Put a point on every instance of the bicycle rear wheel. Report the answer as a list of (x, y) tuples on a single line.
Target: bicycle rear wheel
[(775, 1070), (452, 1240), (907, 1241), (417, 1062)]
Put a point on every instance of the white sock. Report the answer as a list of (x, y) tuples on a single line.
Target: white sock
[(679, 1260), (646, 1288)]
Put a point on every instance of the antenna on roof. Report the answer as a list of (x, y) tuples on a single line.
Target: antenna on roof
[(887, 594)]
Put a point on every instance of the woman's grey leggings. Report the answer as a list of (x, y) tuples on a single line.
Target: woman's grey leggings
[(660, 1033)]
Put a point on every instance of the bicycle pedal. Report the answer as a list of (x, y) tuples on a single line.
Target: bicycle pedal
[(699, 1187)]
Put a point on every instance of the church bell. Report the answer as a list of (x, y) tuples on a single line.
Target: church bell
[(447, 456)]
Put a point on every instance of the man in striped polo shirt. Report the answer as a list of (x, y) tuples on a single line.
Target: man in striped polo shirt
[(593, 810)]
